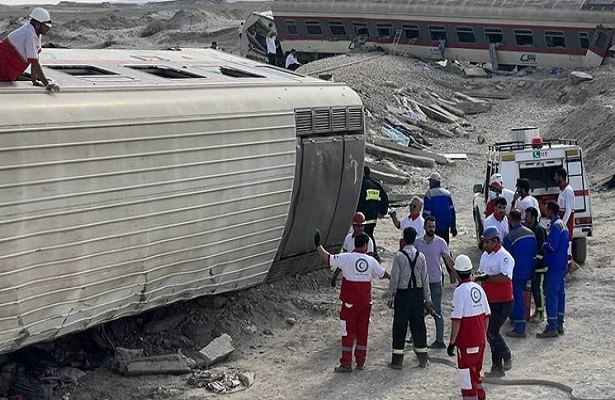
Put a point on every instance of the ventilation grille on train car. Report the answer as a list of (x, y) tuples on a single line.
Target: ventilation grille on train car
[(322, 120)]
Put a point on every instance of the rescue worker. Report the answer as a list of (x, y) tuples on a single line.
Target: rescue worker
[(495, 191), (496, 266), (508, 194), (358, 269), (521, 244), (272, 48), (565, 200), (498, 219), (538, 288), (358, 222), (21, 49), (291, 62), (523, 199), (556, 252), (414, 219), (439, 203), (434, 248), (373, 203), (469, 322), (409, 297)]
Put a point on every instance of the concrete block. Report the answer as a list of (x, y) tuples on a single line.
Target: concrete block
[(218, 349), (168, 364)]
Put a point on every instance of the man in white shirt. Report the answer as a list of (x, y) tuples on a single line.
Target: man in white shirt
[(271, 46), (565, 200), (498, 219), (523, 199), (21, 49), (291, 61), (414, 219), (508, 194)]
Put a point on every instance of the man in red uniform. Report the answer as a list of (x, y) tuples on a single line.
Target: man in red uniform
[(21, 47), (565, 200), (358, 269), (469, 322)]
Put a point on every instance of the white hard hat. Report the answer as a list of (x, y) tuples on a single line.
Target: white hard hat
[(463, 263), (41, 15), (496, 177), (435, 177)]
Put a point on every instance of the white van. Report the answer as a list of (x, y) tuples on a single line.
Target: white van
[(528, 156)]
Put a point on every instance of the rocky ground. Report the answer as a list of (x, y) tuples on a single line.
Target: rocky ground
[(286, 333)]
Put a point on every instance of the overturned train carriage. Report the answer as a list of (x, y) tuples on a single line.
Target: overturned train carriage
[(157, 176)]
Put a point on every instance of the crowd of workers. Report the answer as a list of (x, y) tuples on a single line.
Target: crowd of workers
[(516, 250)]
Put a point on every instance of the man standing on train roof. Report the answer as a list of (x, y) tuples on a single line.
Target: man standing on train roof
[(373, 203), (358, 269), (358, 223), (270, 40), (21, 49)]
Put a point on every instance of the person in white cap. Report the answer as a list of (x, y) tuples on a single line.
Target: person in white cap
[(508, 194), (21, 48), (469, 321)]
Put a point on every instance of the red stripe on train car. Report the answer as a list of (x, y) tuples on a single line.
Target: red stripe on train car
[(578, 193)]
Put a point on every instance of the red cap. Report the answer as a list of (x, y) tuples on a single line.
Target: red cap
[(496, 185)]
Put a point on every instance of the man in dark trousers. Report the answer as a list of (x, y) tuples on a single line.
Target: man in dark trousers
[(556, 259), (373, 203), (521, 244), (409, 297), (538, 287)]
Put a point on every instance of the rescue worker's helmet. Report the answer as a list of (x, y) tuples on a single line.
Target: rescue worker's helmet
[(491, 232), (41, 15), (358, 219), (463, 263), (496, 177)]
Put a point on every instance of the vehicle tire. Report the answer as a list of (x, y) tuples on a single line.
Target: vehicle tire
[(579, 250), (478, 226)]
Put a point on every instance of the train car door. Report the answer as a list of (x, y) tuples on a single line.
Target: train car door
[(599, 47)]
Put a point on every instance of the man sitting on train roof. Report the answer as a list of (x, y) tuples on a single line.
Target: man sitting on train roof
[(291, 60), (22, 47)]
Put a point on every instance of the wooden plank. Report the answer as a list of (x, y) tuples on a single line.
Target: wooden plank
[(385, 168), (494, 96), (434, 114), (398, 155), (409, 150)]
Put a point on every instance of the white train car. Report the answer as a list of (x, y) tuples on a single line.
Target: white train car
[(158, 176), (547, 33)]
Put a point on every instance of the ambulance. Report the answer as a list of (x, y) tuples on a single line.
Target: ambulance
[(527, 155)]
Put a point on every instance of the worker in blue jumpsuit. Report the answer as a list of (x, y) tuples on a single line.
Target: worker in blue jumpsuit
[(556, 259), (521, 244)]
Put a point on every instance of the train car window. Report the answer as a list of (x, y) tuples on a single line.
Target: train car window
[(494, 35), (466, 35), (524, 38), (313, 27), (584, 40), (601, 40), (360, 28), (164, 72), (555, 39), (437, 32), (337, 28), (384, 30), (82, 70), (291, 27), (411, 31)]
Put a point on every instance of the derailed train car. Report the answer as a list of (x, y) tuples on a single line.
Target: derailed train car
[(158, 176), (547, 33)]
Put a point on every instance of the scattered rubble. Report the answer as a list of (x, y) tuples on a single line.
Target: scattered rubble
[(221, 382), (579, 76)]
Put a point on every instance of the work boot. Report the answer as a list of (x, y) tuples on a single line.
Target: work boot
[(423, 359), (507, 366), (560, 329), (437, 345), (342, 368), (496, 372), (515, 333), (547, 333), (537, 317), (360, 367), (397, 361)]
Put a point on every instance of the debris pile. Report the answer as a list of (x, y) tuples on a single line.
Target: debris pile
[(221, 382)]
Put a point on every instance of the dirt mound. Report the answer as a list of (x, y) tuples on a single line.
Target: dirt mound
[(111, 21), (201, 20)]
